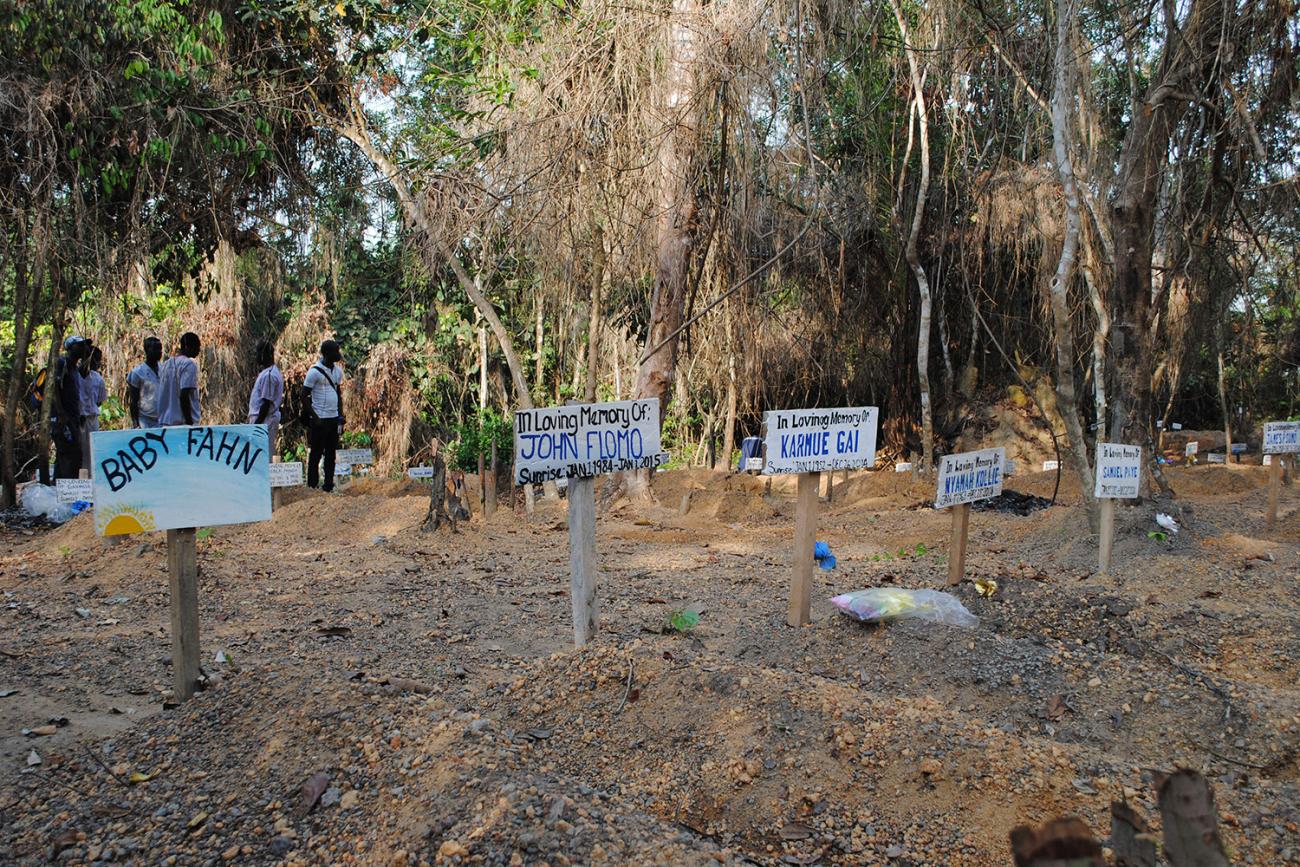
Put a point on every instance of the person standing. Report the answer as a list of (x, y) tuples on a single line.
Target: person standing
[(268, 392), (178, 385), (93, 394), (322, 413), (142, 386), (65, 412)]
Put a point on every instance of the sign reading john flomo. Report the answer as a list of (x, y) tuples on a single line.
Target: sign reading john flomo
[(589, 439), (819, 440)]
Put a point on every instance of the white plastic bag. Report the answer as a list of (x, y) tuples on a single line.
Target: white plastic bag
[(42, 501), (878, 604)]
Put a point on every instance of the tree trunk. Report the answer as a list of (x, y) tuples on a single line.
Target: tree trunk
[(539, 336), (482, 410), (1187, 59), (1223, 390), (26, 293), (675, 222), (593, 321), (913, 258), (729, 431), (1067, 403)]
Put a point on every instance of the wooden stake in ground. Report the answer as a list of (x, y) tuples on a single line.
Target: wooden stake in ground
[(1274, 490), (957, 545), (490, 496), (964, 478), (805, 537), (276, 496), (1107, 540), (183, 575), (582, 559), (1117, 475)]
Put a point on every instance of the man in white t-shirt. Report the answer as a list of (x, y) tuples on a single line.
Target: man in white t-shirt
[(268, 391), (142, 385), (323, 413), (178, 385)]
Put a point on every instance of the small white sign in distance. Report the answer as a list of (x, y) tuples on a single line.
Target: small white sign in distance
[(818, 440), (1215, 458), (287, 475), (587, 439), (355, 457), (1268, 460), (1192, 448), (1008, 468), (1119, 471), (1281, 437), (969, 476), (1176, 426), (1050, 466), (342, 470), (71, 490), (420, 472), (753, 464), (903, 467)]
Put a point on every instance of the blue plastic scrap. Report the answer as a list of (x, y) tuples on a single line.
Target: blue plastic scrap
[(822, 554)]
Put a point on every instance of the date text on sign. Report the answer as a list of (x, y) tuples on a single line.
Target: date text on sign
[(584, 440), (818, 440)]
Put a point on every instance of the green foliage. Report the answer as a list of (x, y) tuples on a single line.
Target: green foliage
[(684, 620), (477, 436)]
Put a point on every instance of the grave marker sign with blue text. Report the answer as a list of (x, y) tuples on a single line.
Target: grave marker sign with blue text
[(587, 439), (179, 477), (819, 440)]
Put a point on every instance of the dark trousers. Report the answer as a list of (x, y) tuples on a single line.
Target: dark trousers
[(322, 439), (67, 450)]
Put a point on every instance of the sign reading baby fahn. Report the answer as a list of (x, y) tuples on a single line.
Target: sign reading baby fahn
[(584, 440), (175, 477)]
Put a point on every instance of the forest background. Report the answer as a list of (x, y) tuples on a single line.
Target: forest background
[(1086, 208)]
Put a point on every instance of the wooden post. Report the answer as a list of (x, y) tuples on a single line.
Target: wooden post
[(805, 534), (957, 547), (183, 571), (582, 559), (830, 486), (1107, 539), (276, 496), (490, 501), (1274, 490)]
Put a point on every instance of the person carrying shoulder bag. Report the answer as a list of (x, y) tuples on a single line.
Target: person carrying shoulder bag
[(322, 413)]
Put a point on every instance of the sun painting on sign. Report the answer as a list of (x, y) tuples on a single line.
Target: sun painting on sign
[(122, 520)]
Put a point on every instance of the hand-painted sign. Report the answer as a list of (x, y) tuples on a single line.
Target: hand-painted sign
[(172, 477), (753, 464), (817, 440), (1281, 437), (420, 472), (903, 467), (1049, 466), (286, 475), (1119, 471), (73, 490), (342, 470), (1191, 448), (969, 476), (355, 457), (1216, 458), (1008, 468), (589, 439)]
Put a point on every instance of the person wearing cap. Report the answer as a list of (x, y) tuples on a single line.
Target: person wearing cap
[(322, 413), (268, 392), (142, 386), (93, 394), (178, 385), (65, 411)]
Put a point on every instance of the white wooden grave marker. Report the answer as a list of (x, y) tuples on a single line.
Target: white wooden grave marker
[(809, 442), (963, 479), (1118, 476), (70, 491), (576, 443), (1050, 466), (1280, 438), (286, 475), (420, 473), (177, 479)]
